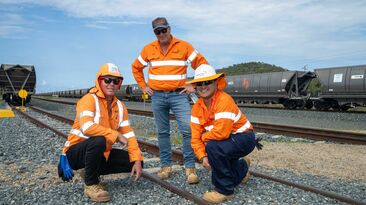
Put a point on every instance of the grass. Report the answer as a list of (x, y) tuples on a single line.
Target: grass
[(176, 139)]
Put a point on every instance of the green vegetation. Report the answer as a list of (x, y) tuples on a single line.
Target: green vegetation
[(249, 68), (314, 87), (176, 139)]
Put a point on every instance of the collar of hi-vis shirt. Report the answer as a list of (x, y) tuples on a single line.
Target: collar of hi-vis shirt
[(209, 114), (172, 43)]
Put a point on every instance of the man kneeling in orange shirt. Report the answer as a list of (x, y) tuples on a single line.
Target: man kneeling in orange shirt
[(221, 134)]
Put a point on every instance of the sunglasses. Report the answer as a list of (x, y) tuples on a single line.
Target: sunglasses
[(209, 82), (116, 81), (158, 31)]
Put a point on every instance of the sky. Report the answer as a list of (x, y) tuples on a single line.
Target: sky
[(68, 40)]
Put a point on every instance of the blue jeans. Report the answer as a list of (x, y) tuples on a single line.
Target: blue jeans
[(162, 103)]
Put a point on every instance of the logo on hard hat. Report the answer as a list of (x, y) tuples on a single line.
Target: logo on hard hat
[(113, 68), (204, 73)]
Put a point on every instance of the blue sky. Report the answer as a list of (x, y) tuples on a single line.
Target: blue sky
[(69, 40)]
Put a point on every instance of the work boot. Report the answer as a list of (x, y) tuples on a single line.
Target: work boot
[(165, 172), (216, 197), (191, 175), (96, 193), (246, 178), (102, 185)]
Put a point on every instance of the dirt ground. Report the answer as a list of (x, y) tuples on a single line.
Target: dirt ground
[(336, 161)]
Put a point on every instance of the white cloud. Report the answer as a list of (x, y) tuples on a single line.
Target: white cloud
[(106, 24), (296, 29), (93, 25), (44, 82), (11, 24)]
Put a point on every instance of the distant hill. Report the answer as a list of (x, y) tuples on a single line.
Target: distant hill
[(251, 67)]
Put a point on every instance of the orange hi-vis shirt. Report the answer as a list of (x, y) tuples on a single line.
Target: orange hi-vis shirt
[(225, 119), (169, 71), (92, 120)]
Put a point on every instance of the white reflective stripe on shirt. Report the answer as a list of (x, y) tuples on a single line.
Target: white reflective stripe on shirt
[(226, 115), (144, 63), (97, 109), (67, 144), (86, 113), (243, 128), (195, 120), (120, 112), (209, 128), (124, 123), (86, 126), (78, 133), (192, 56), (168, 63), (237, 117), (129, 134), (167, 77)]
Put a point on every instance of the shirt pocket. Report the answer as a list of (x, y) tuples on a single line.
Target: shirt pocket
[(153, 56), (177, 54)]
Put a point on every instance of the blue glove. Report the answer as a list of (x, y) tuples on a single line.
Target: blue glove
[(64, 169)]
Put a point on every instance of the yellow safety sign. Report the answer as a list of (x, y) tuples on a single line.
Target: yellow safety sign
[(22, 93)]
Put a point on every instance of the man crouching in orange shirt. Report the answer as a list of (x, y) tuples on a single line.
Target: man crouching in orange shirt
[(221, 134), (101, 121)]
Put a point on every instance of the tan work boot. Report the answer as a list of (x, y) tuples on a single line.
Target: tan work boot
[(165, 172), (102, 185), (191, 175), (96, 193), (246, 178), (216, 197)]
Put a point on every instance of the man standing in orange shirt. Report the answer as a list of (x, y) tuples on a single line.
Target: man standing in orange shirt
[(168, 59)]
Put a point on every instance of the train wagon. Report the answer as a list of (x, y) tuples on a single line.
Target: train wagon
[(15, 77), (288, 88), (342, 87), (130, 92)]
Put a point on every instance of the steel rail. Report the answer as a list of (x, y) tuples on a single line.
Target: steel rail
[(178, 156), (295, 131), (174, 189)]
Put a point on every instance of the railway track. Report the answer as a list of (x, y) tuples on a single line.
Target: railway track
[(290, 130), (64, 124)]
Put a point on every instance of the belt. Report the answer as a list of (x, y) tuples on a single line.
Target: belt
[(170, 91)]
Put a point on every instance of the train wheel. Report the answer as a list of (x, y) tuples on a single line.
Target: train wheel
[(325, 106), (300, 104), (317, 105), (288, 104), (309, 104)]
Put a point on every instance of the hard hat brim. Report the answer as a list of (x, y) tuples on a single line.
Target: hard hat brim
[(213, 77)]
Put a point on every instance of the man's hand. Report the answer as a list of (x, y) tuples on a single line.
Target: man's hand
[(188, 89), (64, 170), (147, 90), (123, 140), (206, 164), (137, 170)]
